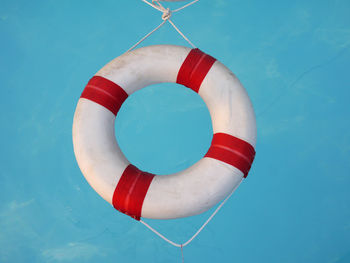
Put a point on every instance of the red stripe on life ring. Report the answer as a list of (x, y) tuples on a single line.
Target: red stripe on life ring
[(194, 69), (131, 190), (233, 151), (105, 92)]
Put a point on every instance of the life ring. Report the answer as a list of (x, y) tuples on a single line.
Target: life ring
[(189, 192)]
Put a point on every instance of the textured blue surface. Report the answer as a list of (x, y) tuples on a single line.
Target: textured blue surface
[(293, 57)]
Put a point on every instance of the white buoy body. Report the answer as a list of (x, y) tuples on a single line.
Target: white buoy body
[(188, 192)]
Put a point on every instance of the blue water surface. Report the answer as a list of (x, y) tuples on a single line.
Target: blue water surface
[(293, 57)]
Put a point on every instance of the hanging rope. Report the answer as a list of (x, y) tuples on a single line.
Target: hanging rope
[(198, 231), (166, 15)]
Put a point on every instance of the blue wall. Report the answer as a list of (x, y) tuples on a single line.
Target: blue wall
[(293, 57)]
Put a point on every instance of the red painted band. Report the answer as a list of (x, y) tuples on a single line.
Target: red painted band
[(233, 151), (131, 190), (105, 92), (194, 69)]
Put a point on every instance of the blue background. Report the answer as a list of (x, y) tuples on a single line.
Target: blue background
[(293, 57)]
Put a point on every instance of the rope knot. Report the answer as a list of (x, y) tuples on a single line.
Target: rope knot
[(166, 14)]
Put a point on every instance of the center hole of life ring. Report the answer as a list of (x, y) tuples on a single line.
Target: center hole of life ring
[(164, 128)]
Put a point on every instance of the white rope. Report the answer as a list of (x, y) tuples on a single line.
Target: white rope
[(191, 3), (158, 3), (153, 5), (159, 234), (198, 231), (146, 36), (167, 13), (178, 30)]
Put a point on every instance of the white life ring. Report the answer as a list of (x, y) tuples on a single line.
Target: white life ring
[(188, 192)]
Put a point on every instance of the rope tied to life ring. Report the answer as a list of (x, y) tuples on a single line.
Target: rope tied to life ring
[(166, 15)]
